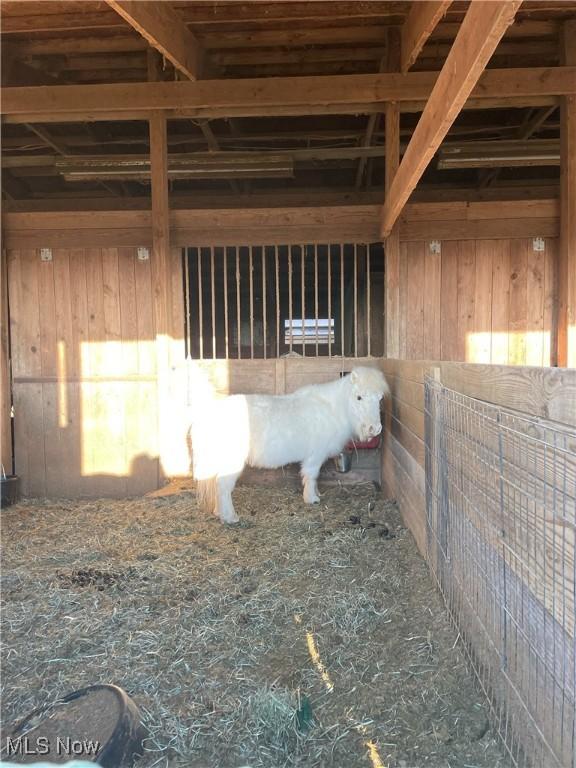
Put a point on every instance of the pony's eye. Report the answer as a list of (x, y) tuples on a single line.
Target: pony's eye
[(358, 397)]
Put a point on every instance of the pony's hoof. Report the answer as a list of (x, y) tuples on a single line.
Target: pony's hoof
[(312, 500), (230, 520)]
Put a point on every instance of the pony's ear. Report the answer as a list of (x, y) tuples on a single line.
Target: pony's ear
[(353, 377)]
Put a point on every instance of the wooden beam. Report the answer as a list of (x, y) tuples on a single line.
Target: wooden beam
[(392, 246), (566, 314), (330, 94), (481, 30), (422, 221), (165, 30), (419, 25)]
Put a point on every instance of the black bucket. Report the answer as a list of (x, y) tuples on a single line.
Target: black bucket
[(10, 490), (96, 724)]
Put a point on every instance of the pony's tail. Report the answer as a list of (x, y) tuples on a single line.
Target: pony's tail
[(206, 493)]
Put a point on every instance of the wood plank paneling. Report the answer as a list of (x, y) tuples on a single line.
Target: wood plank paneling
[(449, 302), (518, 309), (479, 301), (415, 301), (478, 343), (86, 411), (500, 301)]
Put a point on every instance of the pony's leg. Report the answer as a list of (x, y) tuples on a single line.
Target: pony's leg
[(310, 471), (225, 507)]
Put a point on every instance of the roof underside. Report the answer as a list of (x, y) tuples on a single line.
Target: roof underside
[(84, 43)]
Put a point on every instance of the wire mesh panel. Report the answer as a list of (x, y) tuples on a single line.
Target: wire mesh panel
[(501, 523)]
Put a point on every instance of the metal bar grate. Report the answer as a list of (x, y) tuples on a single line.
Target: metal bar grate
[(501, 525), (261, 302)]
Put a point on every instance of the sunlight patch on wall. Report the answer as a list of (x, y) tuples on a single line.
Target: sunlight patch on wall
[(118, 409), (62, 386), (508, 347)]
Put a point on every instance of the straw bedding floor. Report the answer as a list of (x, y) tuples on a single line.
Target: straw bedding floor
[(306, 636)]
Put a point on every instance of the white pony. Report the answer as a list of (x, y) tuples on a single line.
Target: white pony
[(269, 431)]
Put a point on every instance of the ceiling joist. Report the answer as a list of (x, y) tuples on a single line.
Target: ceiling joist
[(483, 27), (419, 25), (344, 94), (161, 26)]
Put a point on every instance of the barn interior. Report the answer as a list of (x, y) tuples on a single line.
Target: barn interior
[(269, 193)]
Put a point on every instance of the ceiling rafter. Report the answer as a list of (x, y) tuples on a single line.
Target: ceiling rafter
[(483, 27), (166, 31), (419, 25)]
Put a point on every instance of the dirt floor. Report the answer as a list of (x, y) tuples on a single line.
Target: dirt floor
[(305, 636)]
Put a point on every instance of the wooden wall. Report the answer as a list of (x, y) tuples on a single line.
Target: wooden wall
[(88, 388), (478, 301), (84, 371), (86, 379)]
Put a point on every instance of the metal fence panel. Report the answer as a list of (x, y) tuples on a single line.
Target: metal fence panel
[(501, 524)]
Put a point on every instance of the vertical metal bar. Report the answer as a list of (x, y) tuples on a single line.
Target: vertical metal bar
[(329, 255), (200, 312), (290, 295), (316, 295), (238, 314), (277, 302), (251, 273), (213, 295), (342, 297), (355, 300), (303, 295), (368, 304), (226, 341), (188, 310), (264, 308)]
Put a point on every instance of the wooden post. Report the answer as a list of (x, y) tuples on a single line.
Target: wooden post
[(392, 244), (160, 267), (5, 420), (566, 323)]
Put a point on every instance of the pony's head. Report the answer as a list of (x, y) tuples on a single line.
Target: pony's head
[(367, 387)]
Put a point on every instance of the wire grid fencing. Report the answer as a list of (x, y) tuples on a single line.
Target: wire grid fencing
[(501, 521)]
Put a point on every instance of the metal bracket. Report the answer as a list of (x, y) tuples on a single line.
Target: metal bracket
[(143, 253), (538, 245), (45, 254), (435, 246)]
